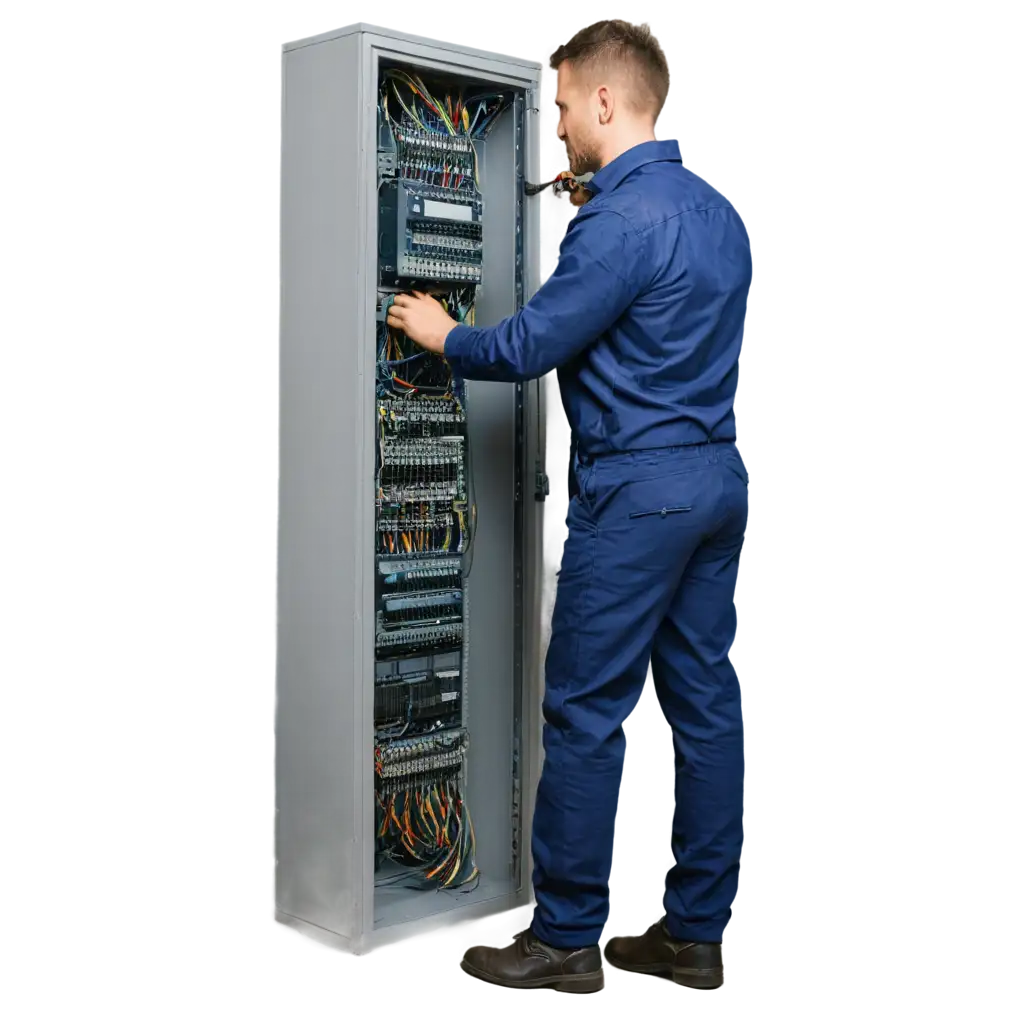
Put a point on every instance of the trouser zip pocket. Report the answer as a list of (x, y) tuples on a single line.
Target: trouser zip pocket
[(661, 512)]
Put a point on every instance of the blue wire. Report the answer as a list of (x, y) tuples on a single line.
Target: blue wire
[(407, 359)]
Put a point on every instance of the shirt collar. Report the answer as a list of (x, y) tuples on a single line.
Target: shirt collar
[(612, 175)]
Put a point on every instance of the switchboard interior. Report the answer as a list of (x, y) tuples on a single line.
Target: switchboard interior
[(448, 617)]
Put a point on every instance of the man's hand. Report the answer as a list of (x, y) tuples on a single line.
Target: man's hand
[(423, 319), (579, 195)]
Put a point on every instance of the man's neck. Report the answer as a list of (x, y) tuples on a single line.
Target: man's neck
[(626, 143)]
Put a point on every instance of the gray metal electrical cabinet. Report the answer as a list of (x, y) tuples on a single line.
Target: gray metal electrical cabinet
[(328, 872)]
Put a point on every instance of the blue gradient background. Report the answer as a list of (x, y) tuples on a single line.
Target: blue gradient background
[(883, 603)]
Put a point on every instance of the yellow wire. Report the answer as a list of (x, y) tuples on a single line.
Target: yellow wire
[(428, 96), (416, 84), (398, 96)]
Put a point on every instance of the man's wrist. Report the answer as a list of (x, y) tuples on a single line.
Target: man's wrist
[(450, 345)]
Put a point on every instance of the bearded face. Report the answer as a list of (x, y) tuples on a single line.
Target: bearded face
[(582, 156), (575, 122)]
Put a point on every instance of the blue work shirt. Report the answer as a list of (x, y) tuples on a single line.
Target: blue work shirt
[(643, 316)]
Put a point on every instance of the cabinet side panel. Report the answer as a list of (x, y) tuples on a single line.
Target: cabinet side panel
[(270, 875), (322, 518)]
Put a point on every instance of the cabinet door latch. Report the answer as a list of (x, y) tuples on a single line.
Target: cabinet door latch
[(542, 486)]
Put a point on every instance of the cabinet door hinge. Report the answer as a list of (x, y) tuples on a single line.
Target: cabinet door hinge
[(540, 481)]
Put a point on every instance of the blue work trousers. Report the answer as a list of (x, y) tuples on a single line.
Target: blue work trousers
[(647, 578)]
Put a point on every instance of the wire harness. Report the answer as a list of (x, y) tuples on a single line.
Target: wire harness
[(431, 217)]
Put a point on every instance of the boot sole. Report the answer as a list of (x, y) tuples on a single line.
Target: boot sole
[(691, 977), (580, 983)]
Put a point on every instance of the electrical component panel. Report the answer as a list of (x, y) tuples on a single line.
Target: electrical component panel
[(431, 133), (431, 203), (429, 233), (409, 542)]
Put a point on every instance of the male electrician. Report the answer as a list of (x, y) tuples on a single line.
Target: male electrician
[(643, 318)]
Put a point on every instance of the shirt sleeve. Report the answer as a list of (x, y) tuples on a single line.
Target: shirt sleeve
[(600, 272)]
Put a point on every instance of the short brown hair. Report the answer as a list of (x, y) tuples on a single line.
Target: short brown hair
[(612, 42)]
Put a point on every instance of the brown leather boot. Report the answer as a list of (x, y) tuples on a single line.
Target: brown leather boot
[(694, 964), (530, 963)]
